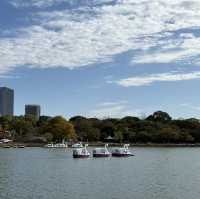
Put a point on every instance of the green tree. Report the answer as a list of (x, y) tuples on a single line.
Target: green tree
[(22, 126), (108, 128), (119, 136), (86, 128), (5, 122), (168, 134), (43, 120), (143, 136)]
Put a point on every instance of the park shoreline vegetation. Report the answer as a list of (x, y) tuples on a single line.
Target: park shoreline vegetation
[(158, 129)]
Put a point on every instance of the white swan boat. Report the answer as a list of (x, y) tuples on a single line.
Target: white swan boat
[(77, 145), (101, 152), (122, 152), (81, 152)]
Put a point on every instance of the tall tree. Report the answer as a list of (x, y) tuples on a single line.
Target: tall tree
[(159, 116)]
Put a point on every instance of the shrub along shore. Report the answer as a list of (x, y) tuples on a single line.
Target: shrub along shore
[(158, 129)]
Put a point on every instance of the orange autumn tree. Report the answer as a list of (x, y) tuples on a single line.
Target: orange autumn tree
[(60, 128)]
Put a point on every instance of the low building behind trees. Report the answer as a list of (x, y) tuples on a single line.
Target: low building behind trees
[(33, 111)]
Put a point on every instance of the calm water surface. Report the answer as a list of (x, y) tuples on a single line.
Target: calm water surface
[(154, 173)]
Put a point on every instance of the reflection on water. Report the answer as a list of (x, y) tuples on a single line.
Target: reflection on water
[(154, 173)]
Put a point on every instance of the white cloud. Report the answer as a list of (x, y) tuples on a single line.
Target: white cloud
[(190, 106), (114, 109), (95, 34), (10, 76), (185, 50), (48, 3), (162, 77), (108, 104)]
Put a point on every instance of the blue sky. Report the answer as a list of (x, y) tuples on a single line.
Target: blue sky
[(102, 58)]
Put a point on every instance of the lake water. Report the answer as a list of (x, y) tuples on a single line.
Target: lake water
[(153, 173)]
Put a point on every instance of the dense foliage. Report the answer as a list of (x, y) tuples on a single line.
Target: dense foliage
[(29, 129), (156, 128)]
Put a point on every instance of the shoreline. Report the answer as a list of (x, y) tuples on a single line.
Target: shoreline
[(148, 144), (100, 144)]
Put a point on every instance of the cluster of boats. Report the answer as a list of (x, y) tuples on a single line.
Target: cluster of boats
[(58, 145), (64, 145), (80, 150), (7, 143), (102, 152)]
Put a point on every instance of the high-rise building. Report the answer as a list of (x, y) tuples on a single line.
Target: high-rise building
[(6, 101), (32, 110)]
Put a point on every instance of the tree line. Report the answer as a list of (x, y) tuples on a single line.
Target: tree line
[(156, 128)]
